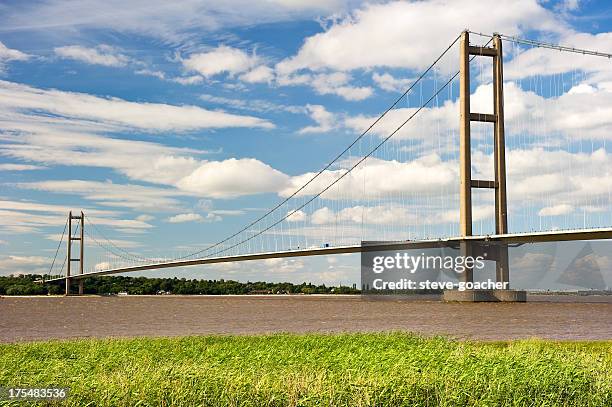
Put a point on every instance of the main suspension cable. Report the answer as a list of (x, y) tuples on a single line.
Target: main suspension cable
[(549, 45)]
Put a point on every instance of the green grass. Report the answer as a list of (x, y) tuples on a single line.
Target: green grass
[(312, 370)]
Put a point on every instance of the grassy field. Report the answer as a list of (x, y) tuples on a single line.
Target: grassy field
[(312, 370)]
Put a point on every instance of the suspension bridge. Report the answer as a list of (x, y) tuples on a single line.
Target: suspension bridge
[(462, 156)]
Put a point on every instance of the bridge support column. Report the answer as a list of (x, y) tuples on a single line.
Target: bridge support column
[(499, 147), (69, 258), (465, 161), (69, 254), (82, 254), (465, 157)]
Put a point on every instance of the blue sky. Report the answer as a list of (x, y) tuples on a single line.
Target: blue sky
[(172, 126)]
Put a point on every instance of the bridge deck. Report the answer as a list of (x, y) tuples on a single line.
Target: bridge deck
[(537, 237)]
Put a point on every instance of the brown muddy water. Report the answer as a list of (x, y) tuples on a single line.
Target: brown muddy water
[(41, 318)]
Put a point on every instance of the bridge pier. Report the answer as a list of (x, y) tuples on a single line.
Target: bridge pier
[(485, 296)]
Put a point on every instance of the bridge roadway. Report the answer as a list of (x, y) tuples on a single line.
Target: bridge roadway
[(519, 238)]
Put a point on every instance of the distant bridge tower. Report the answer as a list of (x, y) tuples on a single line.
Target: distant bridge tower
[(81, 257), (465, 161)]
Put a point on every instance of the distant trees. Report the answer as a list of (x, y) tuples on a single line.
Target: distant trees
[(22, 285), (25, 285)]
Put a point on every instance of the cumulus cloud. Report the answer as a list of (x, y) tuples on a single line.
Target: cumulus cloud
[(188, 80), (325, 120), (222, 59), (296, 216), (232, 178), (100, 55), (260, 74), (567, 114), (388, 82), (335, 83), (8, 54), (376, 178), (32, 132), (149, 72), (398, 34), (186, 217)]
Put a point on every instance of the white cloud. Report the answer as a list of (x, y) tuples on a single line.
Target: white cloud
[(20, 167), (296, 216), (255, 105), (532, 61), (29, 206), (376, 178), (556, 210), (399, 34), (222, 59), (337, 84), (131, 196), (145, 218), (149, 72), (38, 135), (30, 217), (429, 123), (100, 55), (283, 265), (388, 82), (227, 212), (569, 5), (58, 145), (8, 55), (569, 114), (174, 23), (260, 74), (325, 120), (552, 182), (16, 97), (232, 178), (16, 265), (379, 215), (186, 217), (104, 265), (126, 244), (189, 80)]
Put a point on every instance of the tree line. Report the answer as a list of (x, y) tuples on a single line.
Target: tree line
[(112, 285)]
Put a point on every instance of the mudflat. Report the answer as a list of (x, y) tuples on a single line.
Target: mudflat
[(41, 318)]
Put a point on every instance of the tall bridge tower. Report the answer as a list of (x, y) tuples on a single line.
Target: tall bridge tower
[(81, 239), (467, 53)]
